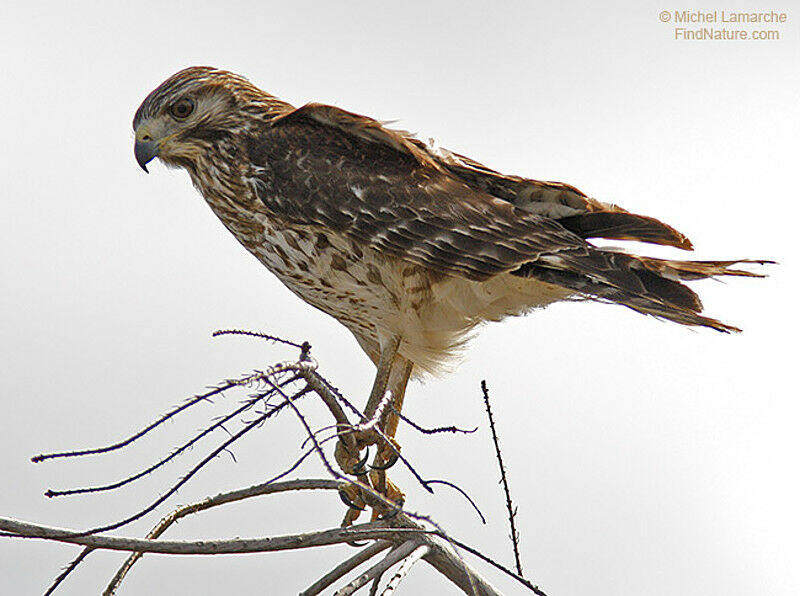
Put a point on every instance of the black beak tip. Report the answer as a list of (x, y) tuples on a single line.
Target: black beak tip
[(145, 152)]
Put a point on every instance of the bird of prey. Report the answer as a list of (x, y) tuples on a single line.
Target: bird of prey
[(407, 246)]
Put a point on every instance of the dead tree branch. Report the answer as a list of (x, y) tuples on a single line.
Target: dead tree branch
[(512, 512), (403, 570), (409, 536), (395, 556), (346, 567)]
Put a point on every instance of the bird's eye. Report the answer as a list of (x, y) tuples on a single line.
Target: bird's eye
[(182, 108)]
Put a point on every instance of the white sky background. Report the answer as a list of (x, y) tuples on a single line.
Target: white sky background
[(645, 458)]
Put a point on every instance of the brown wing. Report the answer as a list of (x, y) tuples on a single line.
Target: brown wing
[(582, 215), (320, 165)]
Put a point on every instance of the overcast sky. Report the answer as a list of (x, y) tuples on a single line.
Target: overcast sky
[(645, 458)]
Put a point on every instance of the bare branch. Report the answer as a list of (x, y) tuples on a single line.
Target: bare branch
[(394, 557), (412, 541), (504, 478), (68, 569), (272, 338), (119, 445), (463, 494), (346, 567), (75, 491), (431, 431), (266, 488), (442, 557), (374, 531), (330, 399), (235, 437), (376, 417), (403, 570), (376, 582), (498, 566)]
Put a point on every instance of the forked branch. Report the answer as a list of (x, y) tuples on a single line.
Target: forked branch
[(409, 536)]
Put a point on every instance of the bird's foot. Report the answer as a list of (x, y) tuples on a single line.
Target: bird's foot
[(391, 493), (349, 458), (389, 499)]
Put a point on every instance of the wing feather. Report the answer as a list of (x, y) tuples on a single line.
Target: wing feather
[(585, 216), (322, 166)]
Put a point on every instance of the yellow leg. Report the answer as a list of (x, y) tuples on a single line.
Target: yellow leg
[(393, 374), (388, 450)]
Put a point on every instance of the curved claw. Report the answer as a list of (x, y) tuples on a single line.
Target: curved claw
[(360, 468), (388, 464), (346, 500), (394, 512)]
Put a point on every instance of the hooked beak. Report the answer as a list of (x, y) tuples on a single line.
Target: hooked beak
[(145, 151)]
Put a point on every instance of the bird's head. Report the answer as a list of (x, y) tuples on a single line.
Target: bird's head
[(195, 110)]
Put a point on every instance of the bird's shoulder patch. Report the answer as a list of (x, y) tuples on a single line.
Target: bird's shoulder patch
[(358, 126)]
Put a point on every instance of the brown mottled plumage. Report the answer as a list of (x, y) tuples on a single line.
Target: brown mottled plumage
[(392, 237)]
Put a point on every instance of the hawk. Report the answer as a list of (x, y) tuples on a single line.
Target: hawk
[(407, 246)]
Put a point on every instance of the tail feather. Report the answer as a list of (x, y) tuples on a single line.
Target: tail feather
[(647, 285), (621, 225), (691, 270)]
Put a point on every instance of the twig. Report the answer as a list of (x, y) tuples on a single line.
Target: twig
[(404, 568), (174, 488), (272, 338), (119, 445), (202, 547), (346, 567), (470, 576), (499, 566), (330, 399), (394, 557), (376, 582), (376, 417), (74, 491), (265, 488), (434, 545), (442, 558), (431, 431), (463, 494), (68, 569), (504, 478)]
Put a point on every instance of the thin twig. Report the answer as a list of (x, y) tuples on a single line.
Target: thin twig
[(174, 488), (444, 558), (394, 557), (265, 488), (346, 567), (272, 338), (404, 568), (68, 569), (125, 442), (431, 431), (376, 582), (463, 494), (330, 399), (398, 509), (499, 566), (504, 478), (92, 489)]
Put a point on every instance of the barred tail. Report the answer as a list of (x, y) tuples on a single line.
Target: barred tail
[(647, 285)]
